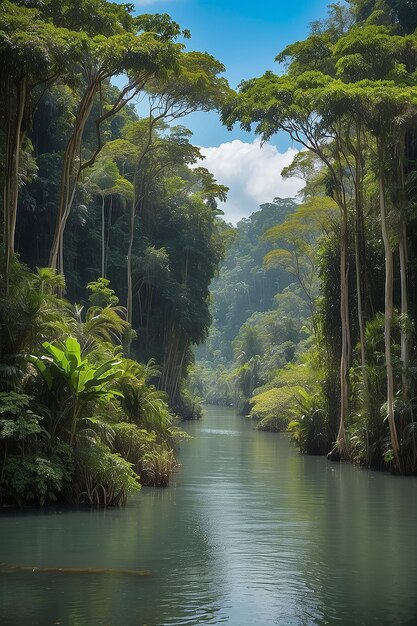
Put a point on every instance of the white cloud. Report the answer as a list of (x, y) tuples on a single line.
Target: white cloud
[(253, 174)]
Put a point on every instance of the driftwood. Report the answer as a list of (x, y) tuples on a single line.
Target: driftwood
[(10, 569)]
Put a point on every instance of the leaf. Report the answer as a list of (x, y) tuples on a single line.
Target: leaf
[(106, 367), (40, 364), (73, 353), (58, 355)]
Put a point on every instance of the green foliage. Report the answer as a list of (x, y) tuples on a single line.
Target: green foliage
[(247, 321), (348, 97), (274, 408), (29, 313), (157, 466), (143, 404), (64, 364), (17, 421), (308, 426), (188, 405), (132, 442), (38, 479), (103, 477), (299, 234), (97, 328), (72, 151), (101, 294), (73, 383), (61, 450)]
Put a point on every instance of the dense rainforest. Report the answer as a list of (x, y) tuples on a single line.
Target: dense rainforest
[(347, 96), (110, 238), (111, 235), (259, 315)]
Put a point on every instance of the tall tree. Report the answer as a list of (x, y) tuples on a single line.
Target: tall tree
[(195, 86), (294, 104), (33, 55), (116, 46)]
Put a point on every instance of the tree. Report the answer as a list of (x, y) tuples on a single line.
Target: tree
[(73, 381), (195, 87), (123, 46), (298, 234), (294, 104), (33, 55), (108, 183)]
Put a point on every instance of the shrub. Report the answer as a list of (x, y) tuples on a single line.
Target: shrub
[(274, 408), (39, 479), (308, 428), (102, 476), (157, 466), (132, 443)]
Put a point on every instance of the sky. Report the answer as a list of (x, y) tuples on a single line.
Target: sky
[(245, 35)]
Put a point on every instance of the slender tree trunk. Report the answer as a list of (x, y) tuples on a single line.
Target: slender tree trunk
[(71, 168), (389, 280), (344, 316), (405, 340), (408, 415), (359, 237), (109, 218), (103, 237), (129, 260), (340, 449), (170, 360), (13, 146), (177, 380)]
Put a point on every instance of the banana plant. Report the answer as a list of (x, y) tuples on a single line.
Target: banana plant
[(73, 381)]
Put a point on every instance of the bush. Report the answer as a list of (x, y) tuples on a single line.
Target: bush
[(103, 477), (39, 479), (274, 408), (157, 466), (132, 443), (188, 406), (308, 428)]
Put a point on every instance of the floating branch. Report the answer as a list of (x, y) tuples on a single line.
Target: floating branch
[(10, 569)]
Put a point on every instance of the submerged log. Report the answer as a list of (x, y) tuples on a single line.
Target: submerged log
[(10, 569)]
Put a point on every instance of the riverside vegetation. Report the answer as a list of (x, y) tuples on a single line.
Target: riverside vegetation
[(94, 197), (314, 311), (343, 378)]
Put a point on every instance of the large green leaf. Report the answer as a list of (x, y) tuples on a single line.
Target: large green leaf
[(58, 355), (73, 353), (108, 365), (44, 370)]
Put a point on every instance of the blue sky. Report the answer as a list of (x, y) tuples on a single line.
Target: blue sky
[(245, 36)]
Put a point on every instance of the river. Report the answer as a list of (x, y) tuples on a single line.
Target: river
[(250, 533)]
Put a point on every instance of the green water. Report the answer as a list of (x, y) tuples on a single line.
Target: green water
[(250, 533)]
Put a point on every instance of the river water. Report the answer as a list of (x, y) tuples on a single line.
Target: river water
[(249, 534)]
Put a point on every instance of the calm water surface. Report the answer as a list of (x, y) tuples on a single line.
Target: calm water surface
[(250, 533)]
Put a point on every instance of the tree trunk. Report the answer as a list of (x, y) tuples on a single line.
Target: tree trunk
[(129, 261), (389, 280), (359, 237), (177, 379), (13, 146), (109, 218), (405, 340), (71, 169), (344, 317), (103, 235)]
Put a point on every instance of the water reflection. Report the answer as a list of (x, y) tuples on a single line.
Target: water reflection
[(249, 533)]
